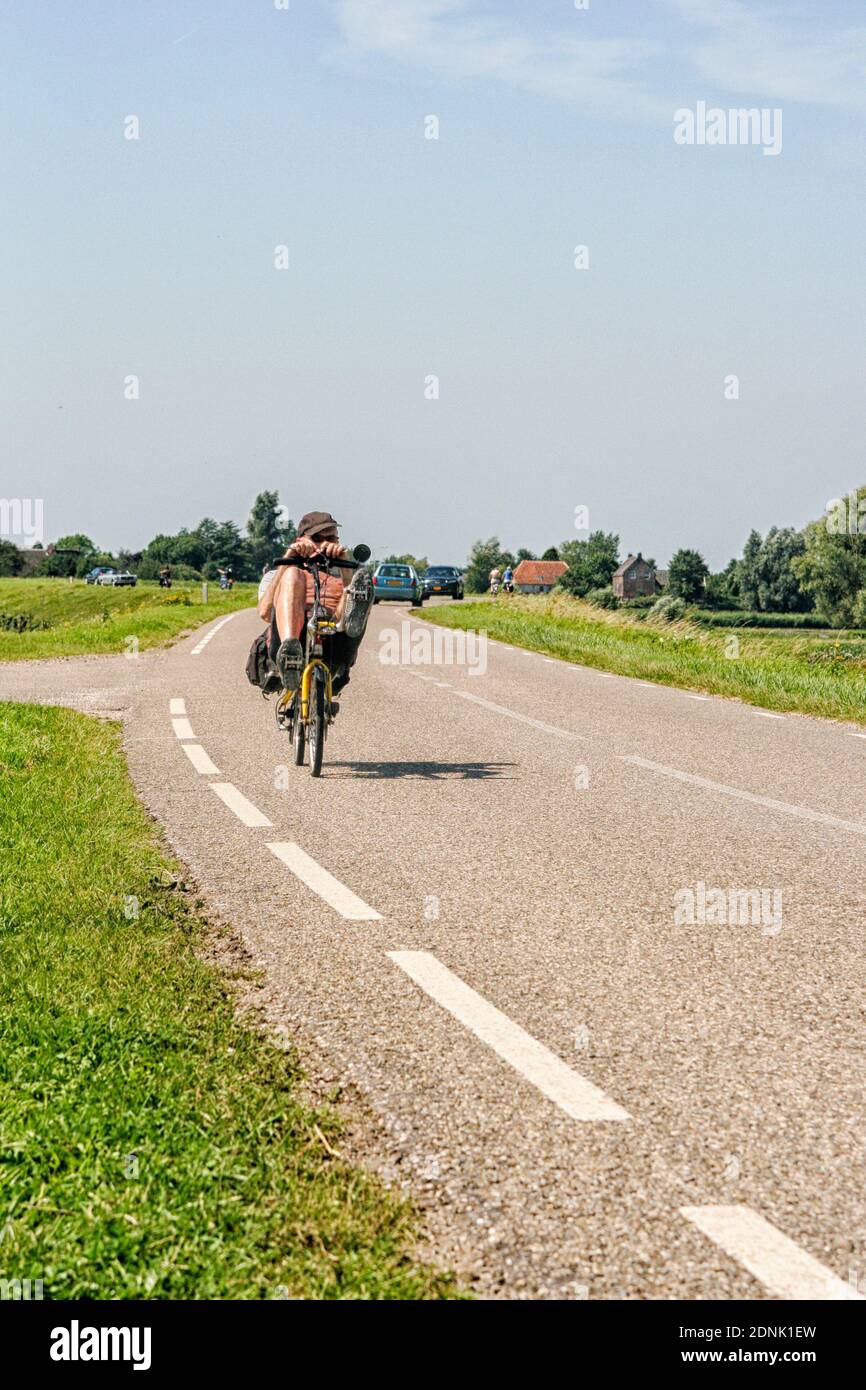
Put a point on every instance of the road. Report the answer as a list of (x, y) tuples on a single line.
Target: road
[(476, 922)]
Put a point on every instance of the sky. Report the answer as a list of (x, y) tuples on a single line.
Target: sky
[(605, 388)]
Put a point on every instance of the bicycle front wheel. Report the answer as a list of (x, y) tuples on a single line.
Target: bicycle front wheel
[(316, 723), (298, 732)]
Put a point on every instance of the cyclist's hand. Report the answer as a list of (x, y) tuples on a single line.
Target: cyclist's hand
[(302, 546), (332, 549)]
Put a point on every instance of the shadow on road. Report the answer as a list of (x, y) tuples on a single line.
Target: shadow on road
[(461, 772)]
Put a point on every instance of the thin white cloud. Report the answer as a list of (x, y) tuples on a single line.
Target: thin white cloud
[(788, 53), (462, 39)]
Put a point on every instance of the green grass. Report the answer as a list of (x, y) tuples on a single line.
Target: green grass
[(150, 1145), (86, 618), (822, 674)]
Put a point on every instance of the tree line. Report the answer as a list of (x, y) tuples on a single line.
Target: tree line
[(820, 569), (199, 553)]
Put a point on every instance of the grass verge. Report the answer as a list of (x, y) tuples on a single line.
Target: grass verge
[(80, 619), (822, 674), (150, 1145)]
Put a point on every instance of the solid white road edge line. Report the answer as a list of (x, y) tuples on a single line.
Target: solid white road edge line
[(773, 1259), (523, 718), (213, 632), (177, 706), (182, 728), (575, 1095), (803, 812), (199, 759), (335, 893), (237, 802)]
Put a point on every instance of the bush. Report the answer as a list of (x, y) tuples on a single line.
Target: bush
[(669, 608), (741, 618), (642, 603), (858, 615), (603, 598), (22, 622)]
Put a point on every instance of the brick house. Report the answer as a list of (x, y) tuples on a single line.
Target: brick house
[(538, 576), (634, 578)]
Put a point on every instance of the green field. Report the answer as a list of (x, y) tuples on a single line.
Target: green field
[(821, 673), (150, 1145), (84, 618)]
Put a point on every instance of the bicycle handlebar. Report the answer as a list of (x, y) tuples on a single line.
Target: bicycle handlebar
[(321, 560)]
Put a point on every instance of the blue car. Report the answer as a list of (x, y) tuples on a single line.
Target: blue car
[(397, 582)]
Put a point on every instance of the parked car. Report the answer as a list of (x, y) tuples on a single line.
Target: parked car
[(397, 582), (92, 576), (117, 577), (443, 579)]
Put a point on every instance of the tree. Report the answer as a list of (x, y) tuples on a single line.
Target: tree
[(524, 554), (419, 565), (11, 559), (832, 566), (766, 576), (268, 534), (77, 548), (687, 575), (551, 553), (722, 590), (591, 563), (483, 557)]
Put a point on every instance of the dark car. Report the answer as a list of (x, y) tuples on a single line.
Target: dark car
[(93, 576), (443, 579)]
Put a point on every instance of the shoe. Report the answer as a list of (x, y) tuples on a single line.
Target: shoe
[(290, 663), (356, 611)]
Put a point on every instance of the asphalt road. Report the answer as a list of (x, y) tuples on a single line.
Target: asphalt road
[(477, 919)]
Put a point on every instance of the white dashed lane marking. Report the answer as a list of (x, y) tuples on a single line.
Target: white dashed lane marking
[(575, 1095), (237, 802), (177, 706), (330, 889), (182, 728), (213, 632), (199, 759), (774, 1260), (802, 812)]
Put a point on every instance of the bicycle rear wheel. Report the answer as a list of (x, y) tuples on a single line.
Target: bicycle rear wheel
[(316, 723)]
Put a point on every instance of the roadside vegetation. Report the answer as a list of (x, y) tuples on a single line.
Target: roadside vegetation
[(63, 617), (811, 672), (152, 1146)]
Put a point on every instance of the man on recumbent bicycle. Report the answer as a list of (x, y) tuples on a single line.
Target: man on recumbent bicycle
[(286, 596)]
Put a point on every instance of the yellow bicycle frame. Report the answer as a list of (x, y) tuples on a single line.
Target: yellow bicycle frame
[(305, 685)]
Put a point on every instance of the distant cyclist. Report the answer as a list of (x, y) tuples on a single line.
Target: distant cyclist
[(508, 580), (495, 577)]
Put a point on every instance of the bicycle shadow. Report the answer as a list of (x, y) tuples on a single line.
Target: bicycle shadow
[(424, 771)]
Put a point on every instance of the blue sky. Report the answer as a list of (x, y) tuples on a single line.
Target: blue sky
[(558, 388)]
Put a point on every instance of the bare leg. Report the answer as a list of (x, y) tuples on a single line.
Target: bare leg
[(289, 603)]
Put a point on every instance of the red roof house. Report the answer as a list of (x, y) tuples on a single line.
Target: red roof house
[(538, 576)]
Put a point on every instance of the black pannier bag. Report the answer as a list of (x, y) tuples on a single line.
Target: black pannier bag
[(259, 669)]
